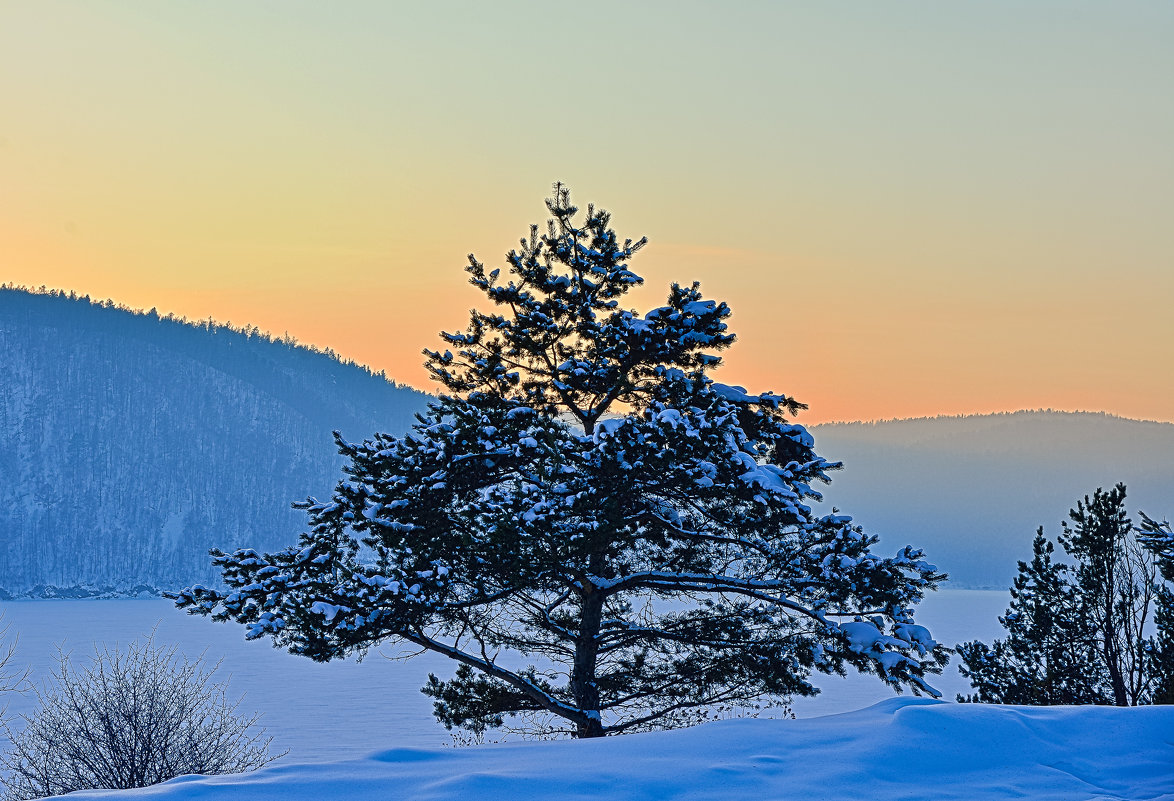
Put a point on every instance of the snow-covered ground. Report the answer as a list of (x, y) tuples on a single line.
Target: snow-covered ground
[(899, 749), (339, 721), (343, 710)]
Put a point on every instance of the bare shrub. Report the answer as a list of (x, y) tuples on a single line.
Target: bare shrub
[(130, 718), (12, 679)]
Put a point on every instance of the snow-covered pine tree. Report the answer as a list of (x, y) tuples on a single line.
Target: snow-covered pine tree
[(596, 531)]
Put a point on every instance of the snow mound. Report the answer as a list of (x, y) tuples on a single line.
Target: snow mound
[(898, 749)]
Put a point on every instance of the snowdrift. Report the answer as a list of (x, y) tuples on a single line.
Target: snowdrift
[(898, 749)]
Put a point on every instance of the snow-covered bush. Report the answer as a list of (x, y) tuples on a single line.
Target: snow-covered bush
[(599, 534), (129, 718)]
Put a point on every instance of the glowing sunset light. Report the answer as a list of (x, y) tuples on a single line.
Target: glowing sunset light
[(912, 209)]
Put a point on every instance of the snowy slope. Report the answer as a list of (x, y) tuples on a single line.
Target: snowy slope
[(130, 443), (898, 749)]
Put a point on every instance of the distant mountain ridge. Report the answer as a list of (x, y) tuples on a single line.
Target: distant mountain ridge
[(131, 443), (972, 490)]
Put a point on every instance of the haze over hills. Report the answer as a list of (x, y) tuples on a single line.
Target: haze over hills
[(130, 444), (973, 490)]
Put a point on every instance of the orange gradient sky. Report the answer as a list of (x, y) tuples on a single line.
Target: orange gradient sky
[(913, 208)]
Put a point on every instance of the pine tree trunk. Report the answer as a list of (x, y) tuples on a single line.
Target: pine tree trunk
[(583, 686), (1110, 650), (1116, 679)]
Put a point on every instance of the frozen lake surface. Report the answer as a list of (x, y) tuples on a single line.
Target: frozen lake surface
[(347, 709)]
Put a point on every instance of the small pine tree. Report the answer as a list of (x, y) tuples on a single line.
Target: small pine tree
[(1115, 577), (1046, 656), (1080, 634), (598, 533)]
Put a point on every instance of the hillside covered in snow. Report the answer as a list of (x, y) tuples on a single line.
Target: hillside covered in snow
[(906, 749), (130, 444)]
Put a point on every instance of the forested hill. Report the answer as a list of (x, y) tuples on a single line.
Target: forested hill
[(973, 490), (132, 443)]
